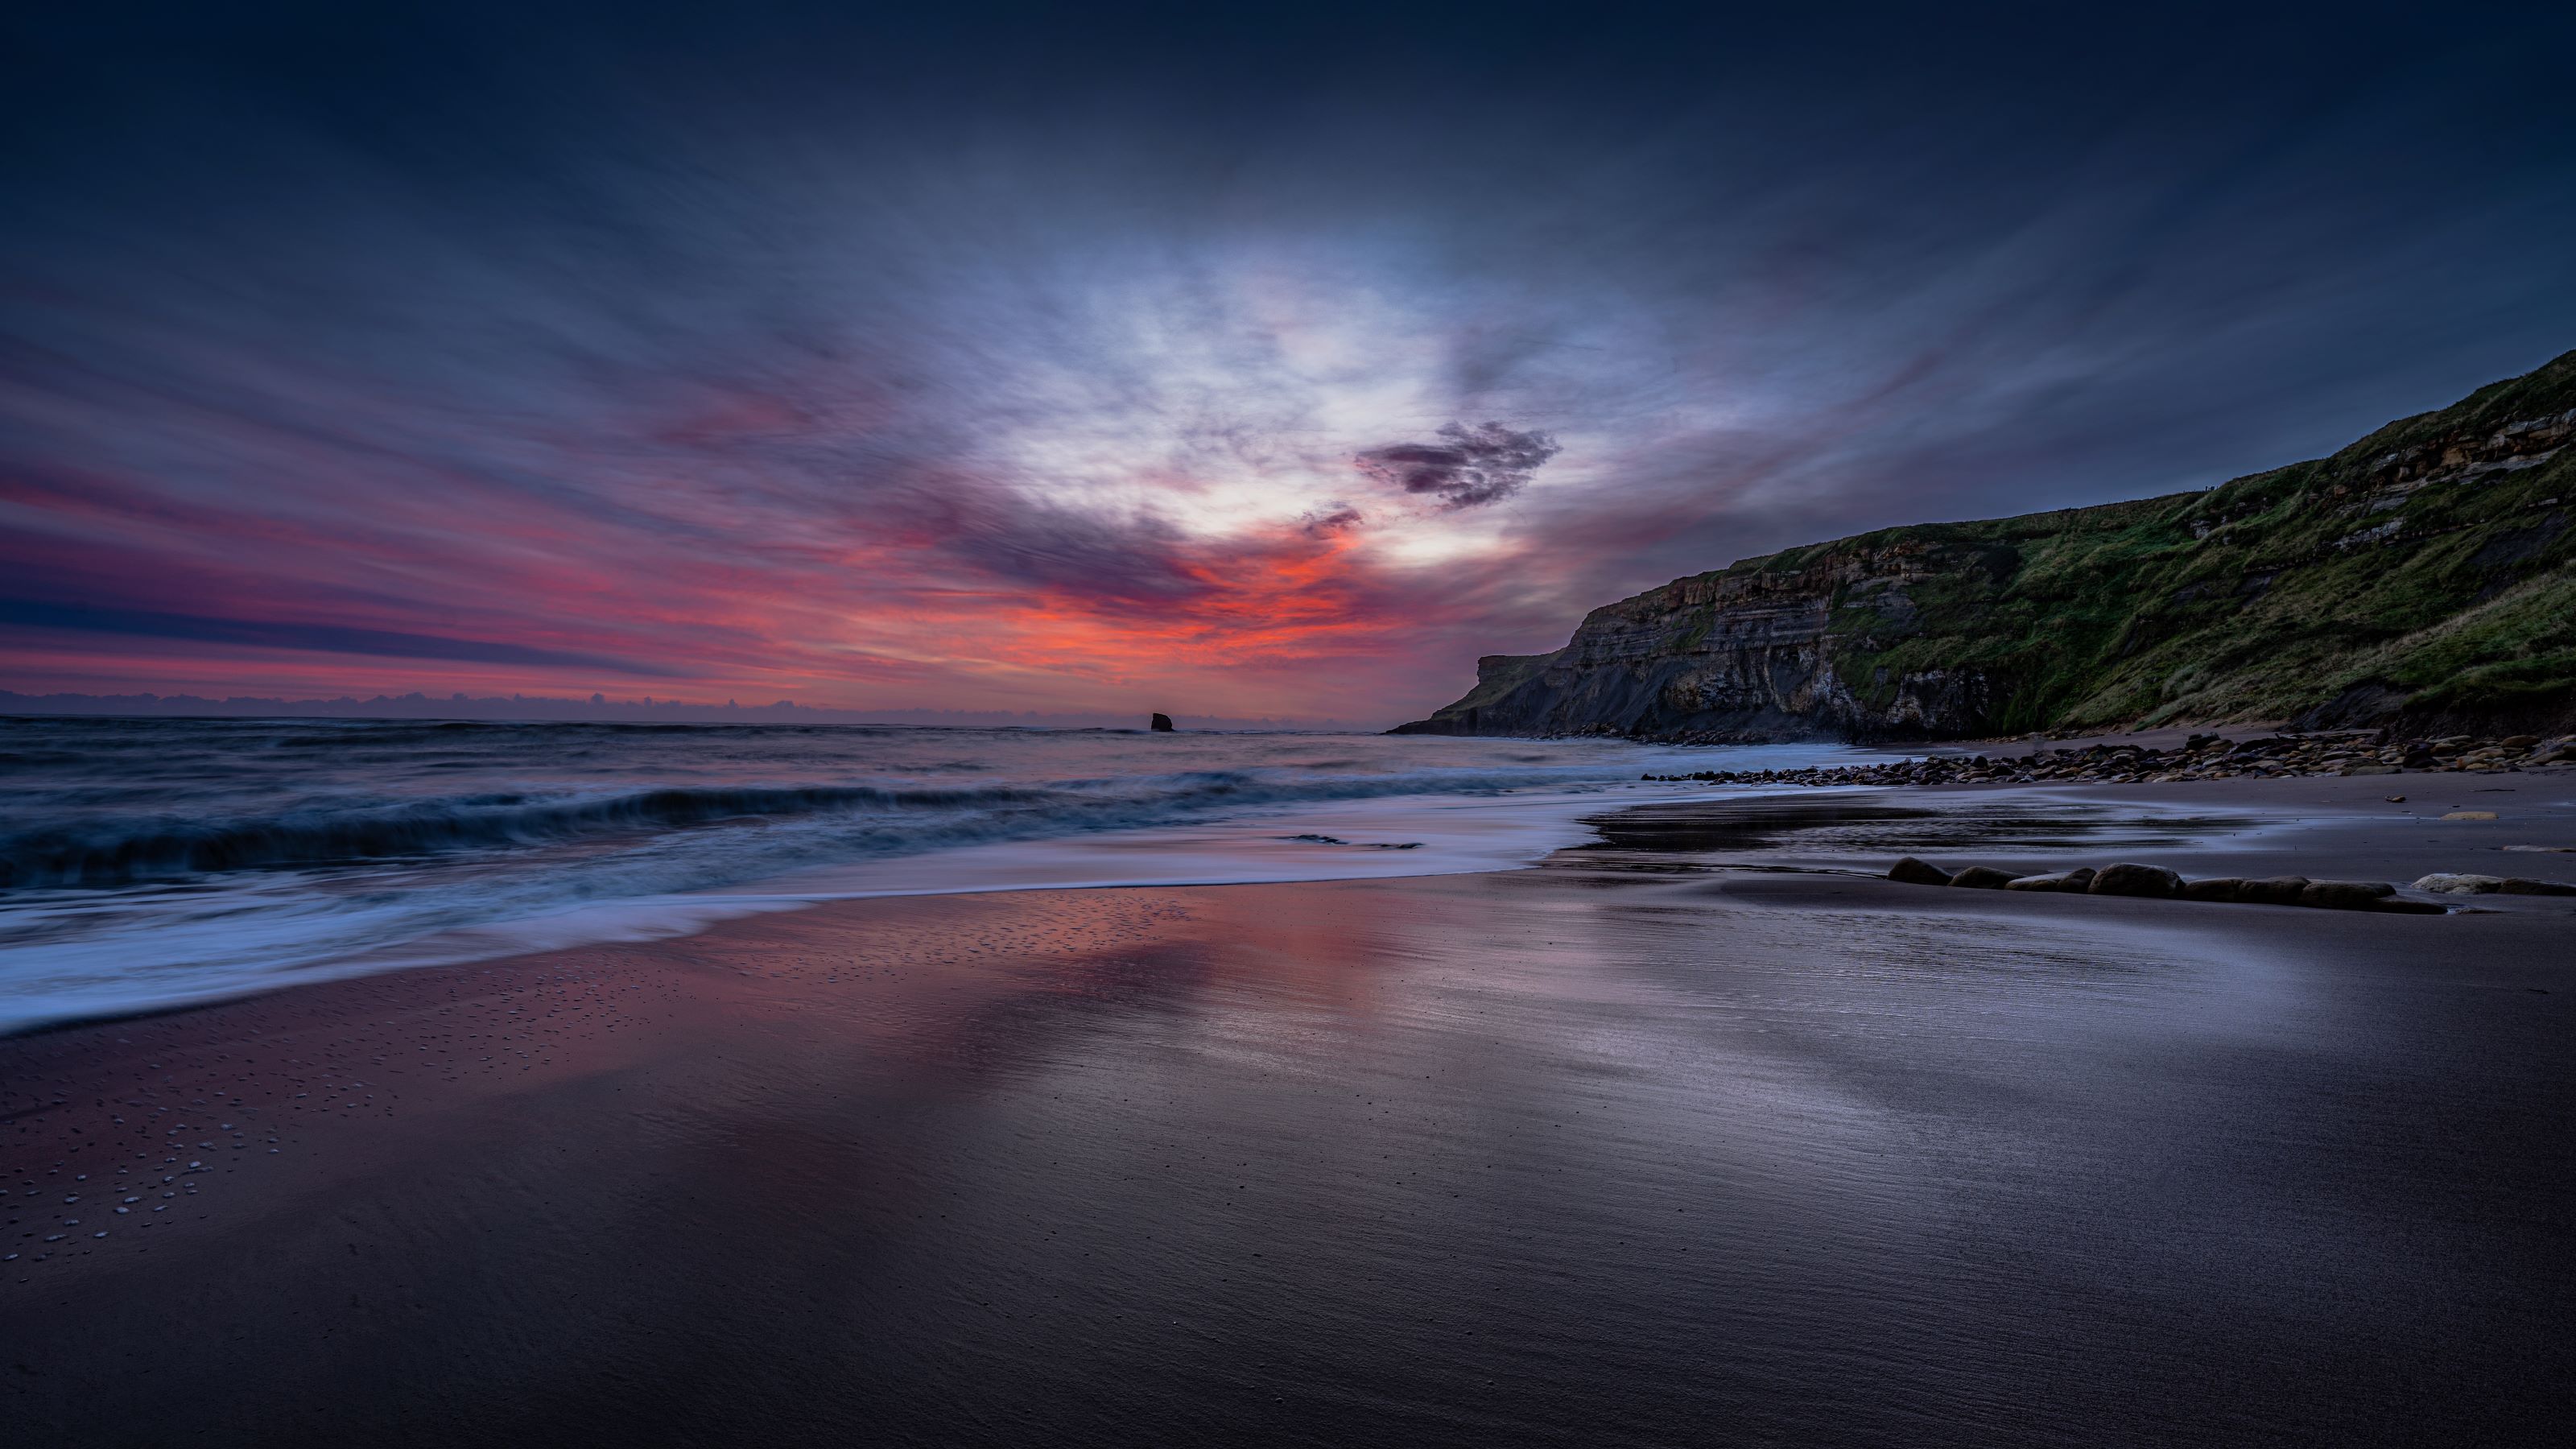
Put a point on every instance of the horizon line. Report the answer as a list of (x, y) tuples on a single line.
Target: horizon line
[(565, 709)]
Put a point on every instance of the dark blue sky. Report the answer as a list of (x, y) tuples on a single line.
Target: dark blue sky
[(1263, 361)]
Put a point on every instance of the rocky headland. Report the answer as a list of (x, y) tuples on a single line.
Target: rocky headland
[(2421, 580)]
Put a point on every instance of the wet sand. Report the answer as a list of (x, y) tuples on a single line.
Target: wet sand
[(1700, 1135)]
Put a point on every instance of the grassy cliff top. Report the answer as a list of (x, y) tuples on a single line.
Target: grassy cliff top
[(2425, 568)]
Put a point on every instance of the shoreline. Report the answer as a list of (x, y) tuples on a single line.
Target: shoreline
[(647, 920), (2282, 801), (604, 1109)]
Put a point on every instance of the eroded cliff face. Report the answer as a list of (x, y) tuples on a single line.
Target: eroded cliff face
[(1743, 654), (2427, 573)]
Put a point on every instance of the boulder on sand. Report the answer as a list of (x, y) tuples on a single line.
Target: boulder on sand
[(2075, 881), (2216, 888), (2126, 879), (1918, 872), (1983, 877), (2515, 885), (2279, 890), (2345, 895), (2450, 883)]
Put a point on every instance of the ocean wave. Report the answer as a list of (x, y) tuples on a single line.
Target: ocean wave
[(118, 852), (106, 852), (146, 863)]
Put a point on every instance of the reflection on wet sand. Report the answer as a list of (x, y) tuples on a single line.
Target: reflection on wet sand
[(1585, 1154)]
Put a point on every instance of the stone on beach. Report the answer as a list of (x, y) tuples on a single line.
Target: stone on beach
[(2279, 890), (2075, 881), (2516, 885), (1911, 871), (1983, 877), (2451, 883), (2345, 895), (2129, 879), (2216, 888)]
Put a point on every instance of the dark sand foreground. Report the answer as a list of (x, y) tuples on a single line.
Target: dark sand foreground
[(1687, 1138)]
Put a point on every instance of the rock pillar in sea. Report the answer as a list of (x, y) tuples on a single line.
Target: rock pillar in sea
[(1163, 722)]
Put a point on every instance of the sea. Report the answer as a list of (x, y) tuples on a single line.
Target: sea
[(152, 863)]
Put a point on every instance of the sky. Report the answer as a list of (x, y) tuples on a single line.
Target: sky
[(1224, 360)]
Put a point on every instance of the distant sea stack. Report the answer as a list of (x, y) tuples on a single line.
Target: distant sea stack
[(1162, 724), (2420, 578)]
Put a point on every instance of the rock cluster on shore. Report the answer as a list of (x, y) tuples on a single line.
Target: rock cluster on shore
[(2155, 882), (2202, 757)]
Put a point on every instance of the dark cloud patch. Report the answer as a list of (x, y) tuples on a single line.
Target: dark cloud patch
[(1332, 518), (1113, 563), (287, 634), (1467, 468)]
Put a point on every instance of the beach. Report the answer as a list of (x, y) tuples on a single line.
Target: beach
[(1700, 1133)]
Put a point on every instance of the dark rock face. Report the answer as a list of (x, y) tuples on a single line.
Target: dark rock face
[(1983, 877), (2220, 888), (2279, 890), (1744, 655), (2311, 592), (2152, 881), (1162, 723), (1916, 872)]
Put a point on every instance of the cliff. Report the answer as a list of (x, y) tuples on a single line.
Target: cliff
[(2425, 576)]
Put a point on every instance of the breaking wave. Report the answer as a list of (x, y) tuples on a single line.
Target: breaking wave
[(114, 852)]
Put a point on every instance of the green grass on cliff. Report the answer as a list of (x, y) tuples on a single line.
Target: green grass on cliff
[(2264, 598)]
